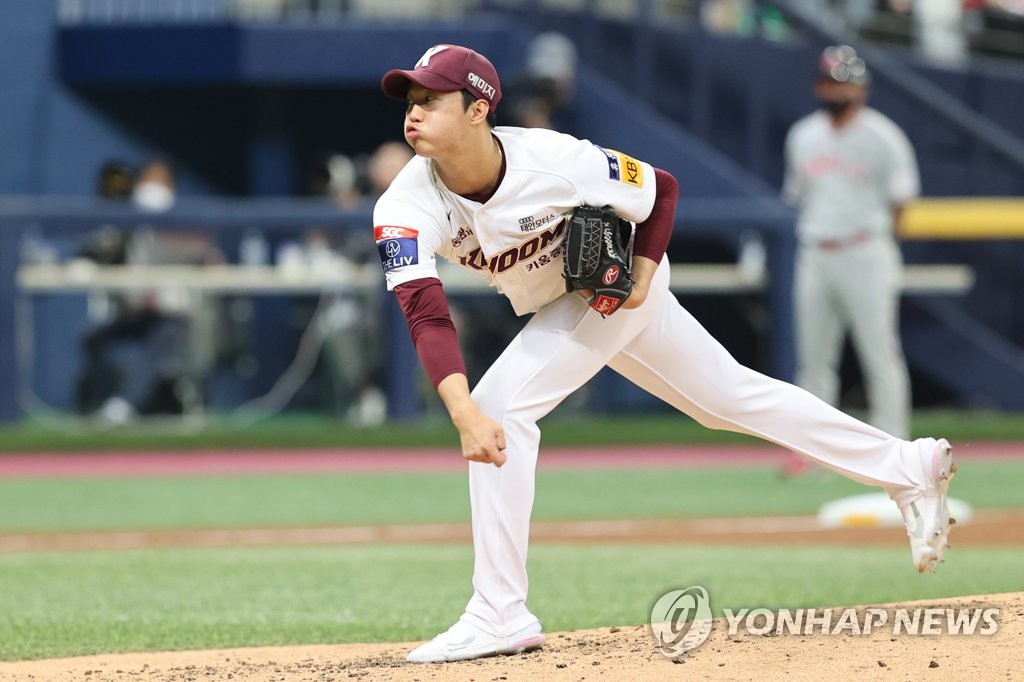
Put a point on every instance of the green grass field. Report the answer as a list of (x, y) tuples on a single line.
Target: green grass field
[(350, 499), (59, 604), (80, 603)]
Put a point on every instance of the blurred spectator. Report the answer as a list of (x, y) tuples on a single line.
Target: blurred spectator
[(141, 359), (108, 244), (343, 181), (744, 17), (347, 363), (385, 163), (726, 16), (154, 188), (351, 352), (354, 182), (938, 29), (541, 97)]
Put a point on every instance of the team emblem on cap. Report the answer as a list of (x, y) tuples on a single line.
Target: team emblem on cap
[(424, 61)]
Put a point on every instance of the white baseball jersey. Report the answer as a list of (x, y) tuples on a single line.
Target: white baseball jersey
[(515, 238), (845, 181)]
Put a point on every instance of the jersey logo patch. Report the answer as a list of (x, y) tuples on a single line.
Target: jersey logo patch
[(398, 246), (623, 168), (393, 232), (538, 220)]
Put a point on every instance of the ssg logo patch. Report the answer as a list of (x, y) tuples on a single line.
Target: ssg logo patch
[(623, 168), (397, 246)]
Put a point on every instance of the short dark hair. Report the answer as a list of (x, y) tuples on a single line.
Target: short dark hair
[(467, 101)]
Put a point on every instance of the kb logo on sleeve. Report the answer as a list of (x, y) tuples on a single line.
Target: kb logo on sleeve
[(398, 246), (623, 168)]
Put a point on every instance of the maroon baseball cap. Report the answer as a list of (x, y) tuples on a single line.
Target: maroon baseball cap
[(447, 68)]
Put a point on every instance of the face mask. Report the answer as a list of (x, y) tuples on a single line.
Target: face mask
[(152, 196), (837, 108)]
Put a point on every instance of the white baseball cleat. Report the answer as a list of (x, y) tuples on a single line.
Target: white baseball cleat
[(464, 641), (927, 518)]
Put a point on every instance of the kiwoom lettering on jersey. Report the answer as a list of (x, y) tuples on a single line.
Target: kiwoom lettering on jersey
[(517, 254)]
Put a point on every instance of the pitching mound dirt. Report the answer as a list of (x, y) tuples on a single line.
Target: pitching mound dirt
[(605, 654)]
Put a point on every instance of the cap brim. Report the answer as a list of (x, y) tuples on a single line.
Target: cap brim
[(396, 82)]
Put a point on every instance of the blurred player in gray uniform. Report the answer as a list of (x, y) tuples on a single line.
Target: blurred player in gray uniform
[(850, 170)]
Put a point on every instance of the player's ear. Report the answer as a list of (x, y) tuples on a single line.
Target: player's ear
[(479, 111)]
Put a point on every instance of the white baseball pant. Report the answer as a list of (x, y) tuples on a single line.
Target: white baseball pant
[(664, 350)]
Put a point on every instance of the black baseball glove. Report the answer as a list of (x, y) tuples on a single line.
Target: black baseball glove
[(597, 257)]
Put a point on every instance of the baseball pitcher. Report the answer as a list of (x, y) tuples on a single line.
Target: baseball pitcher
[(543, 217)]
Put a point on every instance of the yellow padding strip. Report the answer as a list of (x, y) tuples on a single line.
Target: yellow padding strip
[(964, 218), (862, 520)]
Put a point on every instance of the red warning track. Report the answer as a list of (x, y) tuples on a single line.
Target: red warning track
[(233, 462)]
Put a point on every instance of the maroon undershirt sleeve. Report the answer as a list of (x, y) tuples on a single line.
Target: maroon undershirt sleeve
[(425, 306), (653, 234)]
